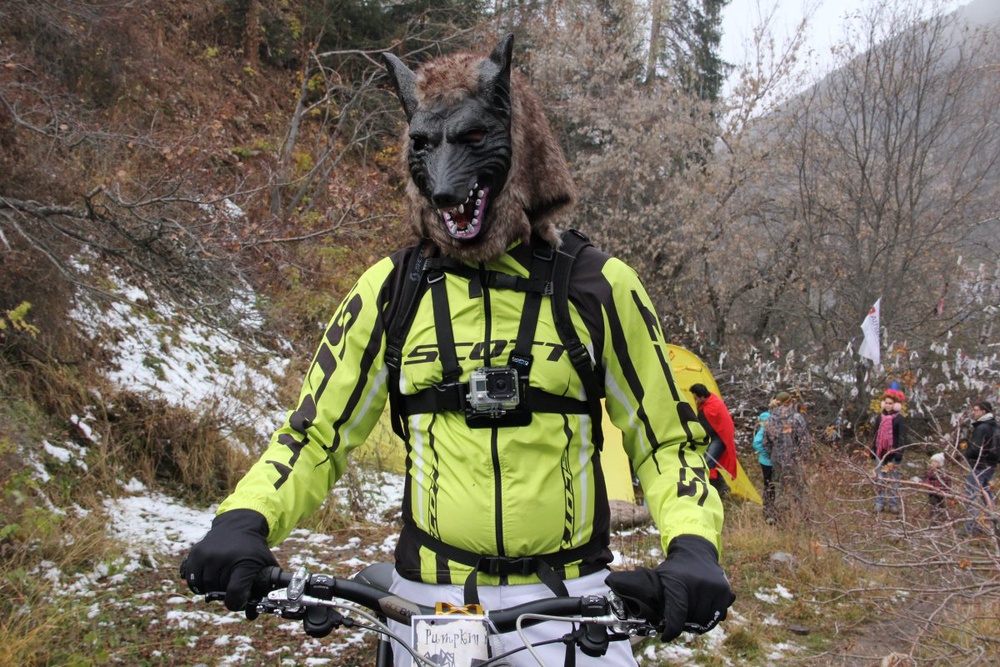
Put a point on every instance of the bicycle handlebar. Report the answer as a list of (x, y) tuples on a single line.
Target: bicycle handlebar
[(303, 591), (306, 589)]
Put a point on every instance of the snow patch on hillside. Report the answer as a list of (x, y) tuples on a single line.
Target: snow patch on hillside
[(155, 348)]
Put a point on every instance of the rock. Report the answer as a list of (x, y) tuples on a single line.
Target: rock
[(783, 558), (627, 515)]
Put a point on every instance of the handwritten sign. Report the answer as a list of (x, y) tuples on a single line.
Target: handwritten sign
[(451, 641)]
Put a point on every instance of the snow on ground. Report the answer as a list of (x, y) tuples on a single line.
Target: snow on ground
[(151, 522), (156, 529)]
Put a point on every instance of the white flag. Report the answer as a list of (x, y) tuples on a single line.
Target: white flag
[(870, 347)]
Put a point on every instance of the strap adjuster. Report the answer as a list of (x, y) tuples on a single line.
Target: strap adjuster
[(578, 354), (544, 251), (393, 356), (500, 566)]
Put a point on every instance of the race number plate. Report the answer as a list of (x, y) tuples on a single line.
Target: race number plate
[(455, 641)]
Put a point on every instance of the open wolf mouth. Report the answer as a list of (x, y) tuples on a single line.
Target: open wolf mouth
[(465, 221)]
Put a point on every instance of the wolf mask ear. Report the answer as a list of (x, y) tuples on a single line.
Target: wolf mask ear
[(405, 82), (494, 76)]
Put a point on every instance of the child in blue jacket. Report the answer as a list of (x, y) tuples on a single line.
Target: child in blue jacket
[(766, 469)]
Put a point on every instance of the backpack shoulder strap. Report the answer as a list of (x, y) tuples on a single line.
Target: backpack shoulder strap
[(573, 243), (407, 285)]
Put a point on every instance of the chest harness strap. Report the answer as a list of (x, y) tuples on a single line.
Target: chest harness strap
[(451, 394), (549, 568), (549, 276)]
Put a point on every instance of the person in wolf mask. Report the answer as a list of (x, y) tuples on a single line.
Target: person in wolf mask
[(505, 498)]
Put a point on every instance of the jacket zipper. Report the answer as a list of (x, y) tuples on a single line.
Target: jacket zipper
[(494, 440)]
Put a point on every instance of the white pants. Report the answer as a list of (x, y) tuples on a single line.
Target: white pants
[(500, 597)]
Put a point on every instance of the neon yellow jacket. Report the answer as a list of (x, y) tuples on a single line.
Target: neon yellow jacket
[(508, 491)]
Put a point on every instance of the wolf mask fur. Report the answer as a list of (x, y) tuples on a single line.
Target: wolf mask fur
[(485, 168)]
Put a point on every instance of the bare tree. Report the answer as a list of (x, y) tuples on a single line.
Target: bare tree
[(176, 207), (878, 181), (891, 166), (636, 145)]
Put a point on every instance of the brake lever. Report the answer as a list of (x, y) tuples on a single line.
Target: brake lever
[(281, 603), (627, 624)]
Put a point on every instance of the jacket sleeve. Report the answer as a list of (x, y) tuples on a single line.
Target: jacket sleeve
[(898, 437), (660, 430), (768, 439), (341, 400), (804, 441), (974, 450), (758, 440)]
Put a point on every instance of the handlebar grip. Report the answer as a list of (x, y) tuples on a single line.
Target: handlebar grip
[(269, 579)]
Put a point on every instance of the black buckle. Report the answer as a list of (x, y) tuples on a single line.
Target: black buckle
[(500, 566), (450, 389), (393, 356)]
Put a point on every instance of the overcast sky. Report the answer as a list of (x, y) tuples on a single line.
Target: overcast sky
[(827, 23)]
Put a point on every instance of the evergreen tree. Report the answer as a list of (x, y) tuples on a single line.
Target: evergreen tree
[(692, 33)]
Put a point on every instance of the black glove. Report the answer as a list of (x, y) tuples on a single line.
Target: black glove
[(686, 592), (229, 557)]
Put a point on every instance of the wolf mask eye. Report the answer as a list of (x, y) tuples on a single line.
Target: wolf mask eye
[(472, 136)]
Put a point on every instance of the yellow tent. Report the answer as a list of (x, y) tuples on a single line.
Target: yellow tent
[(385, 448), (688, 370)]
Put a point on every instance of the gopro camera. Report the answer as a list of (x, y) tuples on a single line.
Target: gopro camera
[(493, 390)]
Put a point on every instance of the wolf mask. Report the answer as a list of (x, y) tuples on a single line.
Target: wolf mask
[(485, 168)]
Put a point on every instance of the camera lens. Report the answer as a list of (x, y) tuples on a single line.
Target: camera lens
[(501, 385)]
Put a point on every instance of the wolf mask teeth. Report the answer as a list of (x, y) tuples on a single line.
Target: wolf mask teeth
[(478, 181), (466, 221)]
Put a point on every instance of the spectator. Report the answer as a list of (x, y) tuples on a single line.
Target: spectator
[(714, 416), (787, 443), (766, 469), (982, 452), (887, 450)]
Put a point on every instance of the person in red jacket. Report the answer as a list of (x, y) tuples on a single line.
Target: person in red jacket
[(714, 416)]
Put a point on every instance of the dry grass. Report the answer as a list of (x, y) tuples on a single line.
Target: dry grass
[(169, 447), (867, 585)]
